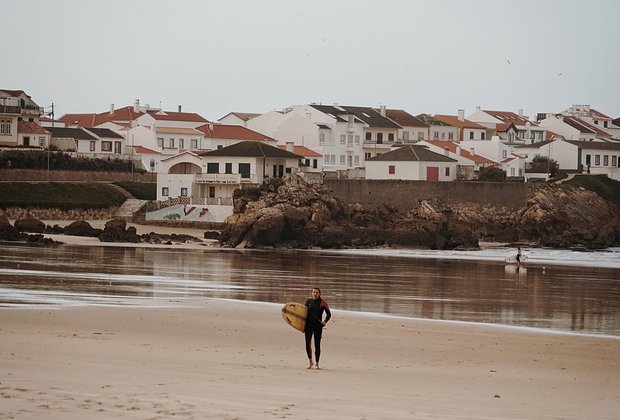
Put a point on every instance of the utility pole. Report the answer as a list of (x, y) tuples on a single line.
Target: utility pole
[(49, 144)]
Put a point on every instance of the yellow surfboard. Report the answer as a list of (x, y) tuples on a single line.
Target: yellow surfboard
[(295, 315)]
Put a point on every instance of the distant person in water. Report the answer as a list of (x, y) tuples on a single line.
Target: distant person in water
[(518, 254), (314, 325)]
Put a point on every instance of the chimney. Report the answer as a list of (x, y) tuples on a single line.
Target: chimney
[(446, 151), (210, 126), (383, 110), (461, 115), (477, 108), (136, 105), (179, 108), (290, 146), (458, 150), (111, 108), (520, 112)]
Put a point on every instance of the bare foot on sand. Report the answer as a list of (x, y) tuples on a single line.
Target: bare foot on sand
[(310, 364)]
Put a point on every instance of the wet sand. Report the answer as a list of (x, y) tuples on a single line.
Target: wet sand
[(240, 360)]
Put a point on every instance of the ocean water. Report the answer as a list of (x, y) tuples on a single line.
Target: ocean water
[(559, 290)]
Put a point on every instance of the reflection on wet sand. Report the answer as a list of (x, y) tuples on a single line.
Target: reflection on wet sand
[(582, 299)]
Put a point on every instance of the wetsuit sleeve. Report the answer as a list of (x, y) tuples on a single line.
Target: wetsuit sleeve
[(328, 313)]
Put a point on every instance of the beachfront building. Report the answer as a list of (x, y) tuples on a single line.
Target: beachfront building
[(412, 129), (574, 128), (237, 118), (199, 185), (439, 130), (467, 130), (411, 162), (93, 143), (17, 107), (468, 164), (509, 126)]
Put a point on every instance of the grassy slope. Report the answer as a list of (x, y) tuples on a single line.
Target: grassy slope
[(62, 195), (602, 185)]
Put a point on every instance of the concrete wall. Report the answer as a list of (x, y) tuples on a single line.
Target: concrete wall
[(405, 194)]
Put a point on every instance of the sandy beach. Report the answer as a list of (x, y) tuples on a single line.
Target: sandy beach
[(240, 360)]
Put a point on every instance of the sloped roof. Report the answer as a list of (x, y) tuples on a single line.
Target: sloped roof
[(404, 119), (302, 151), (231, 132), (14, 93), (104, 132), (30, 128), (598, 115), (178, 130), (454, 121), (534, 145), (252, 149), (244, 116), (333, 112), (599, 145), (583, 126), (81, 120), (411, 153), (430, 120), (371, 117), (177, 116), (145, 150), (508, 116), (451, 146), (70, 133), (504, 127)]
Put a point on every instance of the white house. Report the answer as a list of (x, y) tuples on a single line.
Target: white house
[(411, 162), (563, 152), (380, 132), (237, 118), (468, 164), (16, 106), (573, 128), (494, 149), (599, 157), (171, 119), (467, 130), (593, 117), (412, 129), (498, 122), (439, 130), (31, 134), (199, 186), (98, 143), (217, 136)]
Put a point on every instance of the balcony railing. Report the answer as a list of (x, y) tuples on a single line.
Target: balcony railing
[(218, 178)]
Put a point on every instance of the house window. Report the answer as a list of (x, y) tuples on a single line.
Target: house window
[(368, 136), (194, 144), (391, 169), (342, 157), (367, 155), (164, 191), (333, 159), (183, 191), (482, 135), (379, 137), (357, 139), (605, 124), (306, 162), (326, 159), (471, 135), (5, 127), (605, 160), (588, 160), (597, 160), (350, 139), (349, 161), (106, 146), (343, 139), (391, 137), (435, 135), (356, 160), (322, 138), (213, 168), (596, 122), (171, 143), (614, 160), (118, 147), (405, 136), (244, 170), (228, 168), (181, 143), (315, 163), (26, 140), (450, 136), (447, 171), (211, 192), (504, 154), (420, 135), (92, 146), (160, 142), (41, 141), (443, 136)]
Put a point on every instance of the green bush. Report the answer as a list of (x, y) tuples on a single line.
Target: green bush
[(140, 190), (39, 159), (604, 186), (491, 173), (61, 195)]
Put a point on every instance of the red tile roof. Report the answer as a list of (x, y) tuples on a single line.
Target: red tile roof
[(244, 116), (178, 116), (454, 121), (81, 120), (144, 150), (404, 119), (231, 132), (126, 114), (507, 116), (451, 146), (584, 127), (30, 128), (302, 151)]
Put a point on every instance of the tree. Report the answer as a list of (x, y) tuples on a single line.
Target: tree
[(491, 173), (542, 164)]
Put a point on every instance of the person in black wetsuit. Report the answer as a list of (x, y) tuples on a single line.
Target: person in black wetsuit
[(314, 325)]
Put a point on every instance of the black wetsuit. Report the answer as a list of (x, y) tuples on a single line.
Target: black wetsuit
[(314, 326)]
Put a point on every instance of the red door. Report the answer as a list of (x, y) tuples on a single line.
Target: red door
[(432, 173)]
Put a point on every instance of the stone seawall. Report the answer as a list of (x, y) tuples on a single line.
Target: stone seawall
[(405, 194), (16, 213)]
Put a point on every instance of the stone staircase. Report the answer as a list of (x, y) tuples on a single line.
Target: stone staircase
[(129, 208)]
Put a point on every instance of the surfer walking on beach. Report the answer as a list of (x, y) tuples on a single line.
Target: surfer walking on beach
[(314, 325)]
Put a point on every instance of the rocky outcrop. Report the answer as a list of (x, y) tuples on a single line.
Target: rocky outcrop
[(296, 214), (116, 230), (30, 225), (81, 228)]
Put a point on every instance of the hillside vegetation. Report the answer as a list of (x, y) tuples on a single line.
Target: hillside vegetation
[(140, 190), (61, 195), (604, 186)]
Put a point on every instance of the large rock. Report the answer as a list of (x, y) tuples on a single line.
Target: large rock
[(116, 230), (81, 228), (31, 225)]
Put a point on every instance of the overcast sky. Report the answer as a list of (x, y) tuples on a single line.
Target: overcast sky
[(213, 57)]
